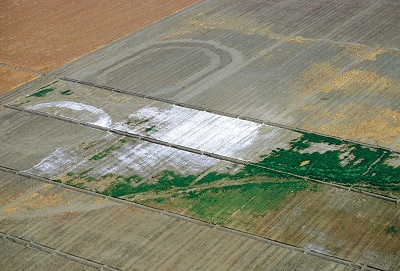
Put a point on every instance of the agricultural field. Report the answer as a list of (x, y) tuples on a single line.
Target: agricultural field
[(76, 223), (234, 135), (40, 36), (258, 145), (245, 197)]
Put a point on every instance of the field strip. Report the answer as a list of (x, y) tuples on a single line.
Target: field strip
[(185, 105), (22, 69), (196, 151), (306, 251), (55, 252)]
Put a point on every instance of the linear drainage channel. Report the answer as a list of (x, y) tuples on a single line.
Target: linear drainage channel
[(196, 151), (306, 251), (225, 114)]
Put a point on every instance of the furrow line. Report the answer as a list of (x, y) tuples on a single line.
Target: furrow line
[(205, 153)]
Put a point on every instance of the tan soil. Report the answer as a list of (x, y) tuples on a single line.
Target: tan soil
[(11, 78)]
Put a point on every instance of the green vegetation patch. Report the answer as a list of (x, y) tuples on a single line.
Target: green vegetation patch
[(159, 200), (83, 173), (337, 161), (90, 179), (213, 177), (103, 153), (392, 229), (42, 92), (218, 204), (257, 170), (122, 186), (149, 128), (341, 162), (327, 166), (80, 184), (46, 86), (166, 180), (66, 92), (384, 176), (254, 191)]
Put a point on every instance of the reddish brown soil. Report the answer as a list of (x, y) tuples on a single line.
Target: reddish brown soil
[(11, 78), (43, 35)]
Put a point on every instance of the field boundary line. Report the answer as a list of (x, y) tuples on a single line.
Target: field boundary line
[(205, 153), (55, 252), (190, 220), (225, 114)]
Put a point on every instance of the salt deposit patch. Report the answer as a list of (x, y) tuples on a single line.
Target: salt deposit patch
[(196, 129), (61, 160), (141, 158), (65, 159), (147, 159), (103, 119), (51, 164)]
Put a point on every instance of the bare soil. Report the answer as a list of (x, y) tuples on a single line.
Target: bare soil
[(11, 78)]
